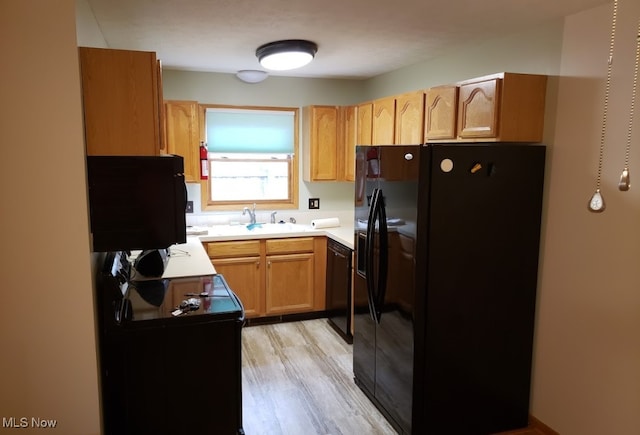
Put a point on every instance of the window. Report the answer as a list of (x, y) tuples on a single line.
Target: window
[(252, 157)]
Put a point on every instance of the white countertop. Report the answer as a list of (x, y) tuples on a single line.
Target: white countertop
[(188, 259), (342, 234), (191, 259)]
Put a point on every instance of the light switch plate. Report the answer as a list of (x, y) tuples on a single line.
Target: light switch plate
[(189, 207), (314, 203)]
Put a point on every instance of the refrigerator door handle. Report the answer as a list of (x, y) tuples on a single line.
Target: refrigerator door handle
[(369, 251), (383, 258)]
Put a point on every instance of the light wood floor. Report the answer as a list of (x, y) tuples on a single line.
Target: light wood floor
[(297, 378)]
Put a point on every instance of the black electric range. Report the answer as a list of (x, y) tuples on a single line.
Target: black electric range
[(167, 347)]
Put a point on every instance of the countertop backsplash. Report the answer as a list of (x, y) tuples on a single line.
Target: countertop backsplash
[(301, 217)]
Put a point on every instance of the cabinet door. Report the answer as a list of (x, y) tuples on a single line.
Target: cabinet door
[(321, 143), (243, 276), (384, 114), (161, 111), (365, 124), (183, 135), (349, 128), (478, 109), (120, 101), (289, 286), (409, 118), (440, 113)]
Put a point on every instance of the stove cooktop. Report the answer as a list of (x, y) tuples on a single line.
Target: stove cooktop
[(177, 299)]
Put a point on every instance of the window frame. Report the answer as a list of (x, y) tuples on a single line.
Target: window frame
[(291, 203)]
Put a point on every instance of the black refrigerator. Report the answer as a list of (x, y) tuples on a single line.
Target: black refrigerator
[(447, 242)]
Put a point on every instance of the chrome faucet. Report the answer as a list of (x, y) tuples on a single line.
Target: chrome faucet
[(252, 213), (273, 217)]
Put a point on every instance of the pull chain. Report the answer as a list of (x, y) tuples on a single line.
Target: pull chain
[(596, 203), (625, 182)]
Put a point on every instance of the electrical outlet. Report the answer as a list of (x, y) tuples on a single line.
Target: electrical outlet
[(314, 203), (189, 207)]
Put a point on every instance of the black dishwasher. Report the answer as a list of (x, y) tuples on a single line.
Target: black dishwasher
[(170, 353), (339, 288)]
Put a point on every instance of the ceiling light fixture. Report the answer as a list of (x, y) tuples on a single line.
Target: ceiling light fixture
[(286, 55), (251, 75)]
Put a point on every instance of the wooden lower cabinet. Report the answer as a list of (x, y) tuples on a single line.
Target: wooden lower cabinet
[(274, 276), (289, 286), (243, 274)]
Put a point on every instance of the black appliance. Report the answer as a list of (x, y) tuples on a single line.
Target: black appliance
[(339, 288), (447, 242), (170, 353), (136, 202), (151, 263)]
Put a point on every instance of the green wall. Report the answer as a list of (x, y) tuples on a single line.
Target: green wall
[(219, 88), (532, 51)]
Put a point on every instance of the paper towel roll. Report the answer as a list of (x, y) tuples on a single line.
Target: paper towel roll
[(325, 223)]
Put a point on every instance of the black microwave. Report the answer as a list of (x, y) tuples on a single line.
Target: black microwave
[(136, 202)]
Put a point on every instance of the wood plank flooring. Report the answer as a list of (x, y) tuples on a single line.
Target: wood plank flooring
[(297, 378)]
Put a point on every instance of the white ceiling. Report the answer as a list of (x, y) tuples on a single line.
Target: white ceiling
[(356, 38)]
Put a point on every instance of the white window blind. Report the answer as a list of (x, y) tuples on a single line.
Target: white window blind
[(250, 131)]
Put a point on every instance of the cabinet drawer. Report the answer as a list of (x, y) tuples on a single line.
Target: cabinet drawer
[(283, 246), (236, 248)]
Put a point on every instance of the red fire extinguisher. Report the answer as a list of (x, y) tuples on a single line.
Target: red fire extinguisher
[(373, 165), (204, 162)]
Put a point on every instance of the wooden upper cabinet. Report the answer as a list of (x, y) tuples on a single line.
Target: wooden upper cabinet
[(364, 114), (121, 101), (349, 123), (478, 109), (383, 127), (320, 143), (161, 108), (506, 107), (441, 105), (183, 135), (329, 138), (409, 118)]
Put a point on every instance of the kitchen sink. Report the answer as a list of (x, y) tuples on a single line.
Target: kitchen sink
[(257, 229)]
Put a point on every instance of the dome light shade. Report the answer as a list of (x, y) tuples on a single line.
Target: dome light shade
[(251, 75), (286, 55)]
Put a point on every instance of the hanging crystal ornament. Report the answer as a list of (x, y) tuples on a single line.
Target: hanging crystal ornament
[(596, 203), (625, 182)]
